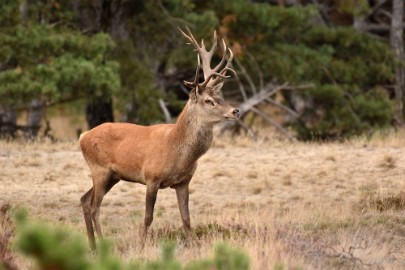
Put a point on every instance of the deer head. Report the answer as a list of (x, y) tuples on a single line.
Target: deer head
[(206, 97)]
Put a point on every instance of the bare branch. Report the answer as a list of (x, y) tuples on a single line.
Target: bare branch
[(184, 89), (323, 14), (266, 92), (241, 87), (298, 87), (168, 117), (273, 123), (283, 107), (259, 71), (397, 44), (246, 107), (243, 71), (173, 21)]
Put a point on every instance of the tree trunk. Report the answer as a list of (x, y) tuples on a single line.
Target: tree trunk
[(34, 117), (98, 111), (397, 44), (8, 121), (102, 16)]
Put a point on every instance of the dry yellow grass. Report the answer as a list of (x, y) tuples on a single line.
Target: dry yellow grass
[(309, 205)]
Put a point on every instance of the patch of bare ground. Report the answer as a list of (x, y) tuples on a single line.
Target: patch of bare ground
[(308, 205)]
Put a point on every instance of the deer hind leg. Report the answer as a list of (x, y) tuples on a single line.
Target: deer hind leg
[(101, 186), (85, 202), (91, 202)]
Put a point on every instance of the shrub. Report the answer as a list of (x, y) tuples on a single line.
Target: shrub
[(59, 249)]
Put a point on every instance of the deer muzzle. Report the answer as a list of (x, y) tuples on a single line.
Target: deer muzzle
[(236, 112), (232, 114)]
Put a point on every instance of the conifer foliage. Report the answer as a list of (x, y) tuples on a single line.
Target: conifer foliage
[(135, 53)]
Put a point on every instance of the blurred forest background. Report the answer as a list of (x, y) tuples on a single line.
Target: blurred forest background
[(313, 69)]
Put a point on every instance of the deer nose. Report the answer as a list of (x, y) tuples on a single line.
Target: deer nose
[(236, 113)]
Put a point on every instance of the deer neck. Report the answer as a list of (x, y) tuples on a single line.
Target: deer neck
[(192, 135)]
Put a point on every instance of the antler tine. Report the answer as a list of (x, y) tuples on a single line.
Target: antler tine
[(229, 63), (184, 34), (214, 43), (226, 68), (191, 38), (197, 74), (204, 54), (223, 56), (213, 48), (206, 57), (207, 80)]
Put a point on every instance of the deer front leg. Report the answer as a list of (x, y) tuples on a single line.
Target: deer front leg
[(182, 200), (151, 193)]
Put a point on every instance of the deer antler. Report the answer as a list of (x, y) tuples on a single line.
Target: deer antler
[(197, 74), (206, 57)]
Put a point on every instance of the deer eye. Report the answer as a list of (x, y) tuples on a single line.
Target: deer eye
[(209, 101)]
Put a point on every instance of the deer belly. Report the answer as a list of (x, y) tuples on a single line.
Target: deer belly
[(173, 179), (136, 177), (170, 182)]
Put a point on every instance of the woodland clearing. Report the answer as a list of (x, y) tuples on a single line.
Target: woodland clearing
[(287, 204)]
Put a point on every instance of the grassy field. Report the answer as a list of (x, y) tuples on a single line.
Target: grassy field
[(307, 205)]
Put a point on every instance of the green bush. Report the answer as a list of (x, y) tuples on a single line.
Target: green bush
[(59, 249)]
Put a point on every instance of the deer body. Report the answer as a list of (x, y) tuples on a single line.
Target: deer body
[(165, 154), (158, 156)]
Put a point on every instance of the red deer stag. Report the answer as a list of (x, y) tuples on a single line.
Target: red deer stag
[(158, 156)]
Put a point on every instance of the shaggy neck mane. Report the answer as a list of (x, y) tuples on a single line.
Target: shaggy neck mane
[(192, 134)]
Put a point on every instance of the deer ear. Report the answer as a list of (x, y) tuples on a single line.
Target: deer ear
[(218, 87), (198, 90), (195, 93)]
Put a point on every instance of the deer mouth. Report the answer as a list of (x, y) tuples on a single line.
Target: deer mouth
[(233, 114), (230, 118)]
